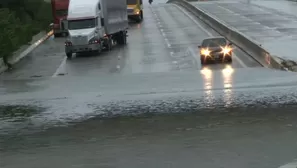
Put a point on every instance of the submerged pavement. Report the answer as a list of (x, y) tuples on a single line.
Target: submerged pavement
[(149, 104)]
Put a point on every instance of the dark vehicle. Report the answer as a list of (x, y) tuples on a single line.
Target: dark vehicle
[(215, 49), (59, 11)]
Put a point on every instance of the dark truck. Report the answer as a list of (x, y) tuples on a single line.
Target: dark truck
[(60, 11)]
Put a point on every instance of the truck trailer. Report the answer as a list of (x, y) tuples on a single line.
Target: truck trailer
[(94, 25), (59, 11)]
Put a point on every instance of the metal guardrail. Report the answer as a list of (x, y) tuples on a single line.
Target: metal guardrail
[(246, 44)]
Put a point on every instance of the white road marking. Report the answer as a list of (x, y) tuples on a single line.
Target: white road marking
[(208, 33), (59, 70), (167, 42), (226, 9), (162, 32)]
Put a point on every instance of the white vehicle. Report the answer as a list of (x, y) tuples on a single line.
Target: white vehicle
[(93, 25)]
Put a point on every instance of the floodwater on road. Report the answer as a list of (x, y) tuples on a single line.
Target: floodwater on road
[(245, 138)]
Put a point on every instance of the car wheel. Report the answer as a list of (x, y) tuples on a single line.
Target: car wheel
[(203, 60), (69, 55)]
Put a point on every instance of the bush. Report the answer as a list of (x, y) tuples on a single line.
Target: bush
[(19, 21)]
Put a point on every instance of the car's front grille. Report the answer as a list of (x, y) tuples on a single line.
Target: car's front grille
[(216, 51)]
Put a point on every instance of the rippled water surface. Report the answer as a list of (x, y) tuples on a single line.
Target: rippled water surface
[(237, 137)]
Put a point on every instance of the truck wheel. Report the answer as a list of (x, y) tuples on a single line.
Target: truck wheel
[(122, 38), (64, 34), (56, 35), (141, 15), (69, 55), (109, 44)]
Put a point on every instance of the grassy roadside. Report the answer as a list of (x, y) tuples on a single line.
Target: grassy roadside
[(19, 21)]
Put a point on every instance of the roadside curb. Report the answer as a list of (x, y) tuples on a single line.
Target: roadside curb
[(241, 41), (17, 57)]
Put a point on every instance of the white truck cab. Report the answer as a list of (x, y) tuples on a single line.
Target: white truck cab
[(88, 27)]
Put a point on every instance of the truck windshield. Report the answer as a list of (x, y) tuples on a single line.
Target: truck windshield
[(62, 12), (131, 2), (81, 24)]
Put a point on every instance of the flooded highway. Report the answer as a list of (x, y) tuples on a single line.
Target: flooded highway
[(165, 41), (247, 138), (149, 104), (187, 122)]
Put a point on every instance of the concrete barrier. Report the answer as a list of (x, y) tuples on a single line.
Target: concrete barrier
[(18, 55), (240, 40)]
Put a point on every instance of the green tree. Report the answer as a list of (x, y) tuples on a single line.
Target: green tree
[(19, 21)]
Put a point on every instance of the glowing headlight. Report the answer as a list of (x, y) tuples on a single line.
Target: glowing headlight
[(226, 50), (136, 11), (205, 52)]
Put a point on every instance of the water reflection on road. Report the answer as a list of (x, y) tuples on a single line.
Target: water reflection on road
[(208, 80), (215, 138)]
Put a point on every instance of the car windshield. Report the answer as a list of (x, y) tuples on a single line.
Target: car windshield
[(81, 24), (214, 42)]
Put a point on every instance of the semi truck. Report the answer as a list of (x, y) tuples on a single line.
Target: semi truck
[(94, 25), (59, 11), (135, 10)]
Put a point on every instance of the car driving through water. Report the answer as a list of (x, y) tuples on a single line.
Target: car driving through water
[(215, 49)]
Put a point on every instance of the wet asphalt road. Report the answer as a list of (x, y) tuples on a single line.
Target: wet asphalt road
[(165, 42), (275, 29)]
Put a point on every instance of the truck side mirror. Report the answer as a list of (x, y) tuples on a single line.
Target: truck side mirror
[(199, 46), (230, 43), (51, 26)]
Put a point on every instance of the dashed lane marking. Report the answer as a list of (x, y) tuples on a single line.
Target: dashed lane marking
[(60, 68)]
